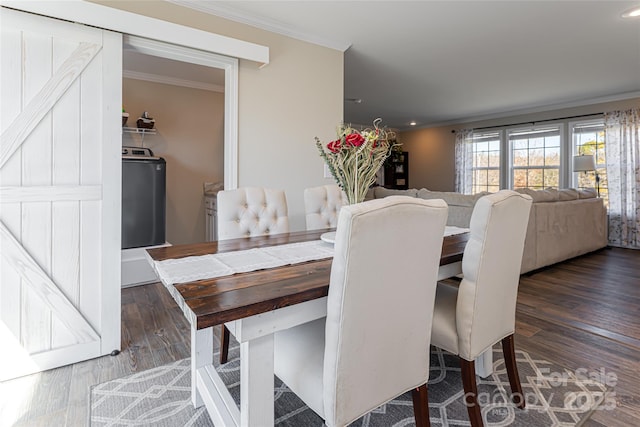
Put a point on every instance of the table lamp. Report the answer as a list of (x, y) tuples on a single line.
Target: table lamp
[(586, 163)]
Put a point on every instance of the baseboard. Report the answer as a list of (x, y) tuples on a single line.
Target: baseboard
[(135, 267)]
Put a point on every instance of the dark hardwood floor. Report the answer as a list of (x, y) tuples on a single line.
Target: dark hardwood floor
[(154, 333), (583, 313)]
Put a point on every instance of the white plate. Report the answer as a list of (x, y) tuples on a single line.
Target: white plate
[(329, 237)]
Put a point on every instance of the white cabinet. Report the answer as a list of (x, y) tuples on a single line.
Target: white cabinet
[(210, 190), (210, 212)]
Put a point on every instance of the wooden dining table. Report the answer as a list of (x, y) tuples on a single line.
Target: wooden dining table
[(254, 305)]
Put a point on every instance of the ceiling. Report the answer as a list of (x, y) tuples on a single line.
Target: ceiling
[(437, 62)]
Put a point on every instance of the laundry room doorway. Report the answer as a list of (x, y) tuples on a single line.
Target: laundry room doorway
[(181, 92)]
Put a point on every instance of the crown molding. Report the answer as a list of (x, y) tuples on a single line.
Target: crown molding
[(531, 110), (233, 14), (156, 78)]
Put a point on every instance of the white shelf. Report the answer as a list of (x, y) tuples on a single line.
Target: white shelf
[(139, 130)]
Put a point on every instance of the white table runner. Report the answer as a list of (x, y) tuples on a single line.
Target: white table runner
[(451, 230), (194, 268), (190, 269)]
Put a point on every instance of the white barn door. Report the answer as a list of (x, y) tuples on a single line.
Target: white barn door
[(60, 166)]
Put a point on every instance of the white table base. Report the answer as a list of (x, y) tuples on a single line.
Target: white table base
[(255, 335)]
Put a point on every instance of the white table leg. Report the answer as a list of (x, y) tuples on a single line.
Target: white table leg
[(484, 364), (201, 355), (256, 382), (449, 270)]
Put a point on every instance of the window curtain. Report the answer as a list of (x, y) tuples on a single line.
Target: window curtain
[(622, 151), (464, 161)]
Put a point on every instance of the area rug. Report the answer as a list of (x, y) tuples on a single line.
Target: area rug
[(554, 397)]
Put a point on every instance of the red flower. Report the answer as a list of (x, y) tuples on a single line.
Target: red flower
[(354, 139), (334, 146)]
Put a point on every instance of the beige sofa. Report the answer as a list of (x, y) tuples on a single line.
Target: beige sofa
[(563, 223)]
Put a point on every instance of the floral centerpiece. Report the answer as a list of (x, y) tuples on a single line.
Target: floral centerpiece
[(356, 156)]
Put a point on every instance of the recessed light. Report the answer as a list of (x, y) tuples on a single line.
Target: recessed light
[(632, 13), (412, 123)]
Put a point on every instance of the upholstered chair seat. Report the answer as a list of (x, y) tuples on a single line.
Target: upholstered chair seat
[(322, 205), (471, 317), (246, 212), (345, 365)]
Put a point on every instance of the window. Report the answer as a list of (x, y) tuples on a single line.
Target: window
[(535, 157), (588, 138), (486, 162)]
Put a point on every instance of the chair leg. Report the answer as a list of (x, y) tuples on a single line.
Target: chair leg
[(421, 406), (509, 353), (224, 344), (471, 392)]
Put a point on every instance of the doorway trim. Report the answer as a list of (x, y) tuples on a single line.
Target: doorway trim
[(230, 67)]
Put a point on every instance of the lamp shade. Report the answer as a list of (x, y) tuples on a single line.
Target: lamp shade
[(584, 163)]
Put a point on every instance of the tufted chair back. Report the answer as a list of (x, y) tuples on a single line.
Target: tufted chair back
[(373, 296), (486, 306), (251, 211), (470, 318), (322, 206), (347, 364)]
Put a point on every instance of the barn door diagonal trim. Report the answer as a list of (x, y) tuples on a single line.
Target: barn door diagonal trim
[(40, 283), (16, 133)]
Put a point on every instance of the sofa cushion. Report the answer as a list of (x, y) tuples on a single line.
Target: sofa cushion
[(587, 193), (380, 192), (452, 199), (370, 194), (540, 196), (553, 195), (568, 194), (459, 216)]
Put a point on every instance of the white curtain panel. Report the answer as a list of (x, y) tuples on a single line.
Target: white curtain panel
[(464, 161), (622, 148)]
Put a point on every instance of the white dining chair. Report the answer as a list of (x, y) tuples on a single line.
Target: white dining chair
[(480, 311), (251, 211), (322, 205), (345, 365), (246, 212)]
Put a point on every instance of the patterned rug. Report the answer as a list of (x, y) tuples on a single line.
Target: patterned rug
[(554, 397)]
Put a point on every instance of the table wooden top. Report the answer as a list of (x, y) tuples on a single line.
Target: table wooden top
[(223, 299)]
